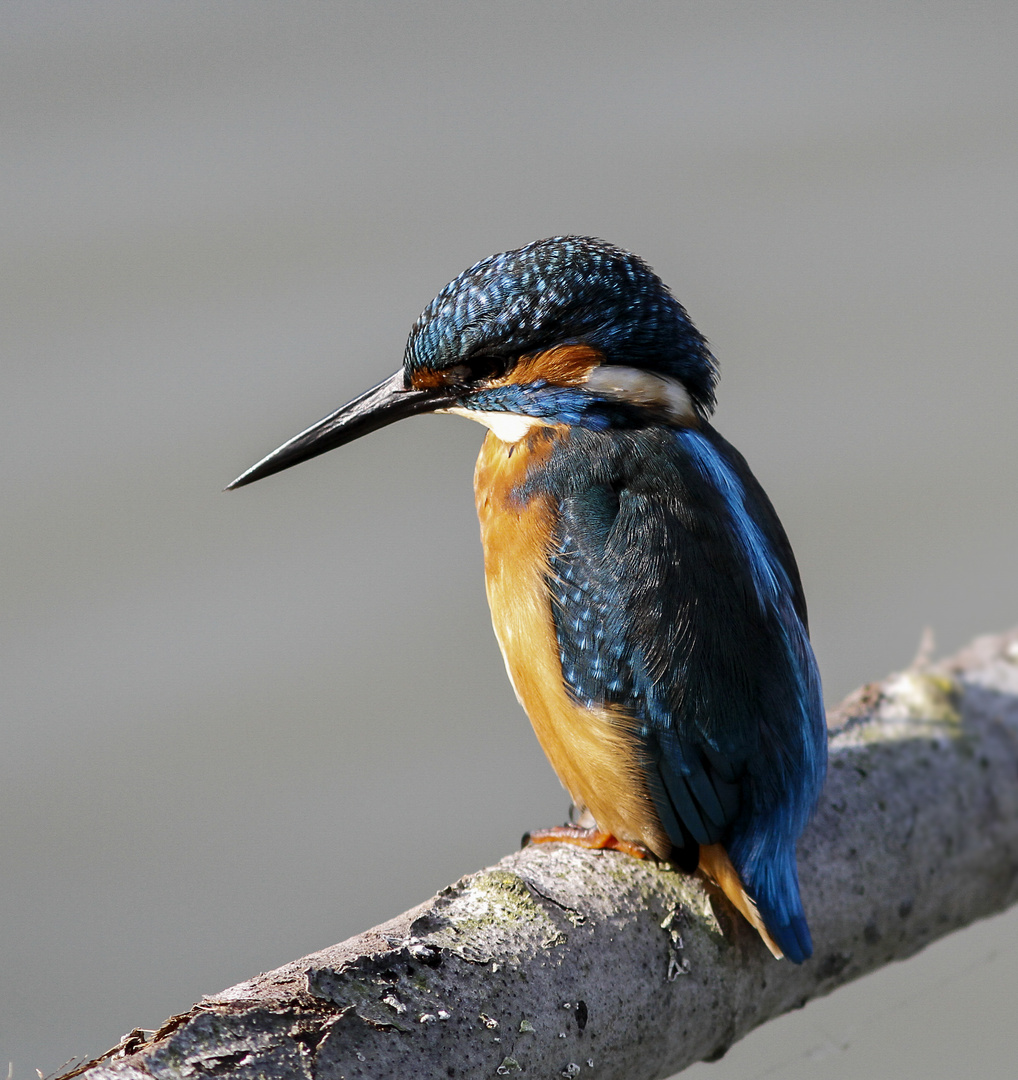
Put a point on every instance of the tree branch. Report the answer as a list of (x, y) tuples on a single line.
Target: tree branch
[(565, 962)]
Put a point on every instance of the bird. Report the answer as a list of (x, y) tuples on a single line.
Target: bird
[(643, 592)]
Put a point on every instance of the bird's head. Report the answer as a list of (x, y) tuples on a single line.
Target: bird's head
[(569, 330)]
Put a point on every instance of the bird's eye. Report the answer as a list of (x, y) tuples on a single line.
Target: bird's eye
[(457, 375), (486, 366), (481, 368)]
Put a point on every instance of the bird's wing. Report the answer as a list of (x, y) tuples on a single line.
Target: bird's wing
[(658, 612)]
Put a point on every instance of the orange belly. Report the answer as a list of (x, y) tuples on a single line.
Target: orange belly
[(591, 750)]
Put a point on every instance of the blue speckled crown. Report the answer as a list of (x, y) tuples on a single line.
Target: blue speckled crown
[(567, 288)]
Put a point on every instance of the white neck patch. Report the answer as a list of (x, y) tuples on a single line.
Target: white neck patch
[(507, 426), (643, 389)]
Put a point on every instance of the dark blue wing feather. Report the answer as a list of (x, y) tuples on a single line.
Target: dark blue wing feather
[(677, 599)]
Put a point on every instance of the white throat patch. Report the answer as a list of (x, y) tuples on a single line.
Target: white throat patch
[(507, 426)]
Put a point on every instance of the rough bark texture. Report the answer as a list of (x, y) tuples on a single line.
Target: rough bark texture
[(562, 962)]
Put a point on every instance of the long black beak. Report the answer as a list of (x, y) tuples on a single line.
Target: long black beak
[(383, 404)]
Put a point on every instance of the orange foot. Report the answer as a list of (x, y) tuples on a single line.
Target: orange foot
[(585, 838)]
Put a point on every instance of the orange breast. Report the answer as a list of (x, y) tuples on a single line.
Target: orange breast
[(591, 750)]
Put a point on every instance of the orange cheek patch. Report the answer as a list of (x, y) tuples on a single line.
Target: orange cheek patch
[(427, 379), (561, 365)]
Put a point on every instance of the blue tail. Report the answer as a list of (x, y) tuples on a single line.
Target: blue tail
[(774, 883)]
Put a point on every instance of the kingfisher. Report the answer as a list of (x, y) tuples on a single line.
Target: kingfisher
[(643, 592)]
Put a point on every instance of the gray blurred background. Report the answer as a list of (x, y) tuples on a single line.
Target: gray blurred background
[(237, 728)]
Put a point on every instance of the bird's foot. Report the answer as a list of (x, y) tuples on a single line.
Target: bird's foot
[(585, 838)]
